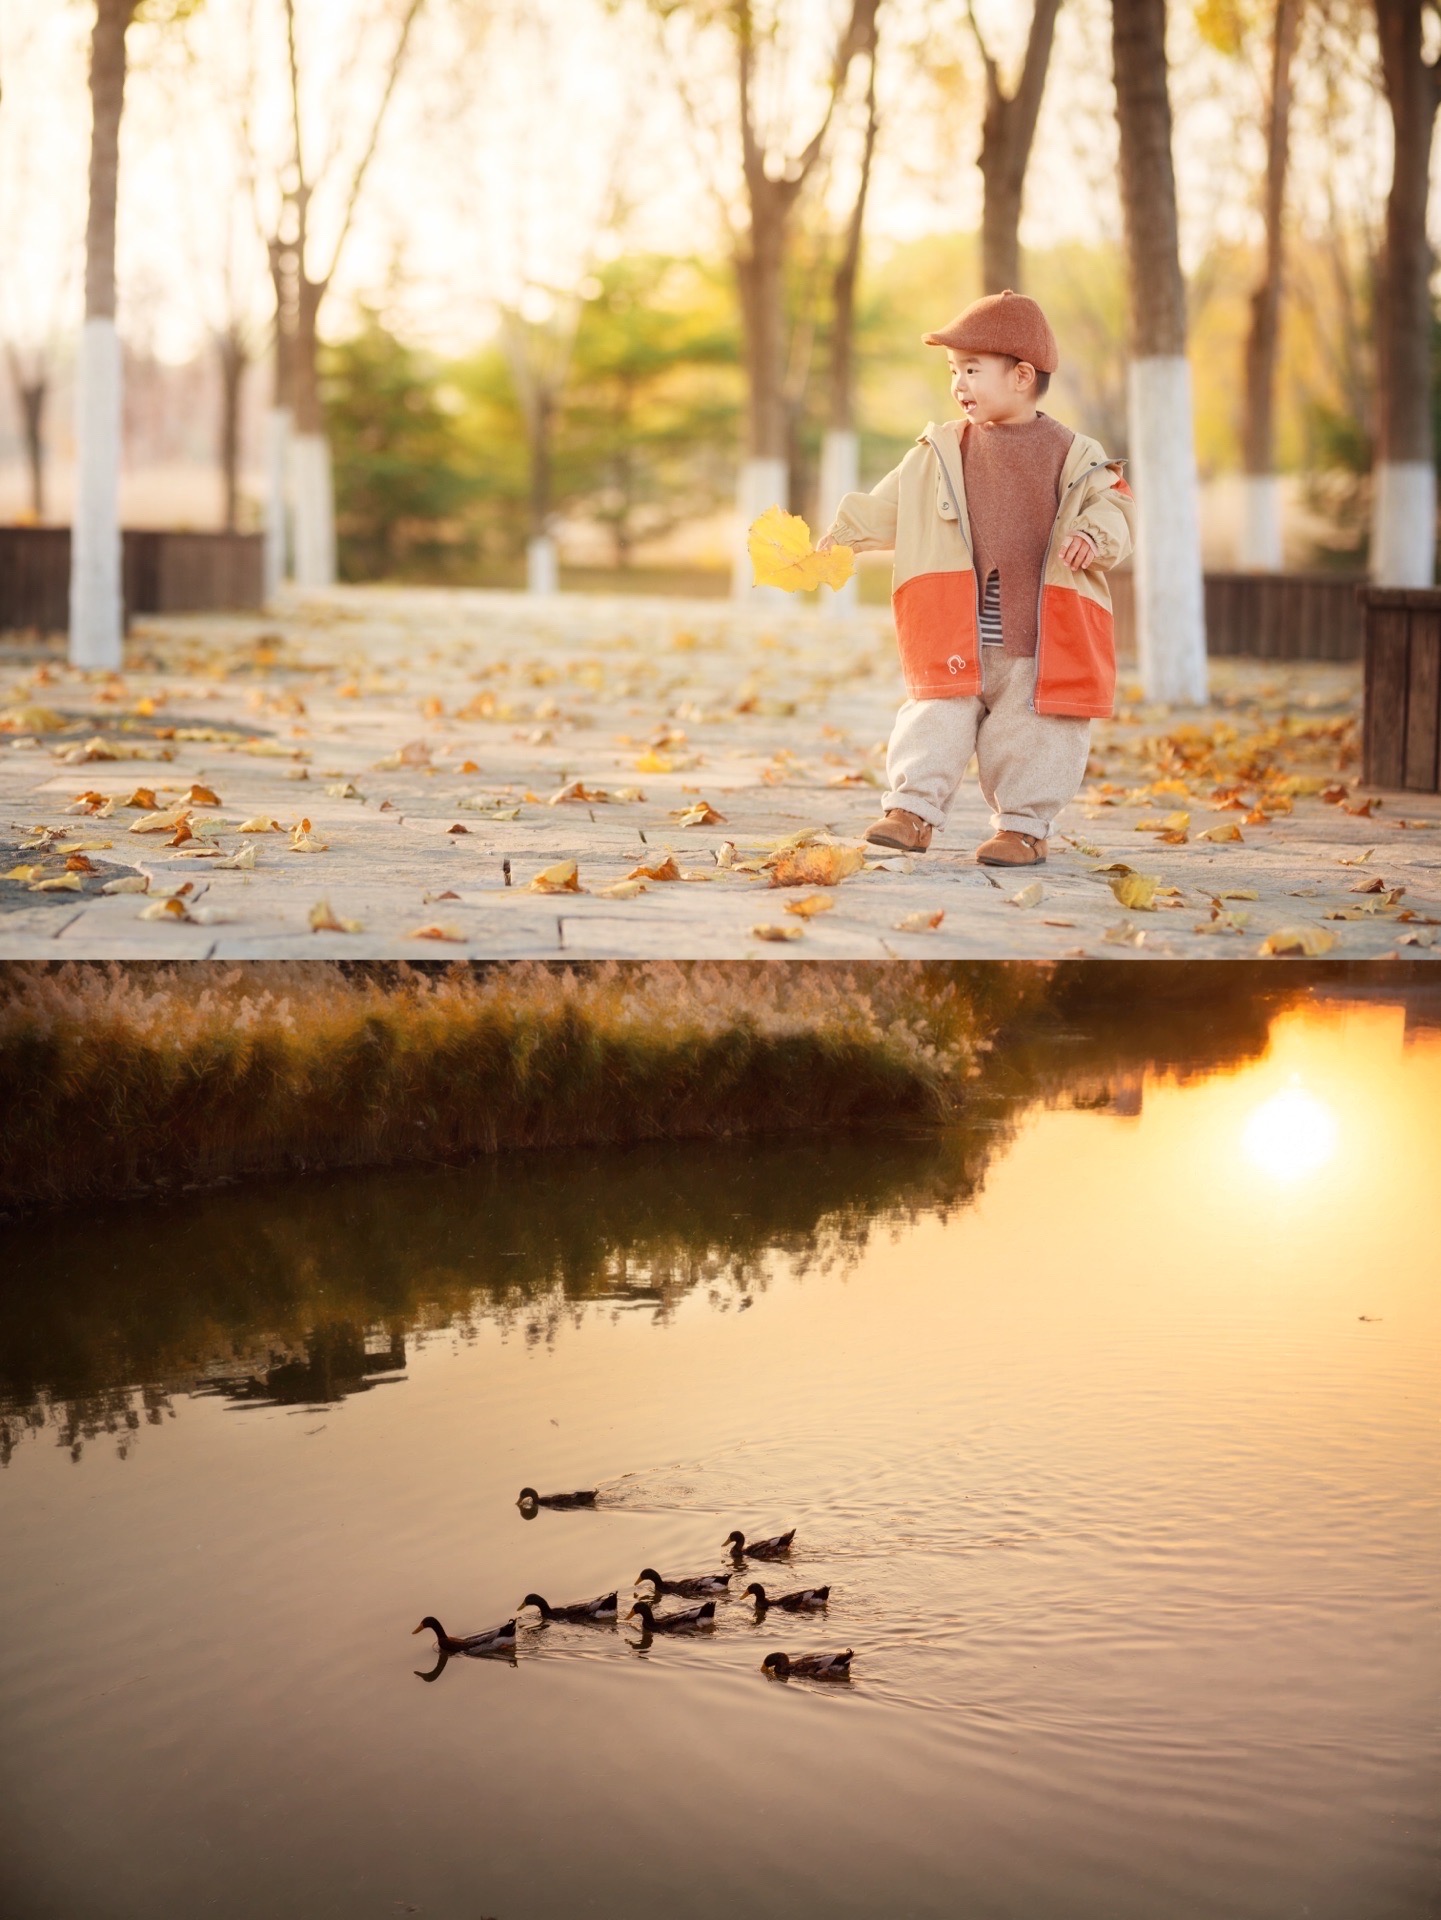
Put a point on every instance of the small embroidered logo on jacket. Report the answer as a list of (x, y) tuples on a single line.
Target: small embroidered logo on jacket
[(955, 663)]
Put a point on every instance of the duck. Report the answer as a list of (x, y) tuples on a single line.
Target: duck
[(771, 1549), (812, 1666), (804, 1600), (606, 1607), (528, 1497), (693, 1617), (691, 1586), (494, 1640)]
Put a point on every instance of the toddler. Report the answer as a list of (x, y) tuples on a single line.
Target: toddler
[(1002, 524)]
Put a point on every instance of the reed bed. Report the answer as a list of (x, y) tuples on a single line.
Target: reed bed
[(116, 1080)]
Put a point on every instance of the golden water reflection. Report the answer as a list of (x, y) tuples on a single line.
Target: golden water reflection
[(1109, 1417)]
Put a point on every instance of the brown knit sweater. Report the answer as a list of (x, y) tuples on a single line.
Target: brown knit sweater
[(1013, 485)]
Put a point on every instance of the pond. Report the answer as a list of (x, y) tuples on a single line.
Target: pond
[(1109, 1418)]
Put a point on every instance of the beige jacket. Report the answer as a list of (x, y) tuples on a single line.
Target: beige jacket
[(919, 510)]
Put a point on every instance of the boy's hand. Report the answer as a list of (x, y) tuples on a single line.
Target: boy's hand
[(824, 544), (1079, 551)]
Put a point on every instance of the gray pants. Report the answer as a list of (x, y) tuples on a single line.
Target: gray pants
[(1030, 765)]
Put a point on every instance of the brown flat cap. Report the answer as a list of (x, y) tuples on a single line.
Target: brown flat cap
[(1007, 323)]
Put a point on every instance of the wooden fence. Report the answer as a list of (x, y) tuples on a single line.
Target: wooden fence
[(161, 572), (1266, 616), (1402, 730)]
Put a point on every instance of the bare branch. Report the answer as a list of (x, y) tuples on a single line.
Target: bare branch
[(397, 58)]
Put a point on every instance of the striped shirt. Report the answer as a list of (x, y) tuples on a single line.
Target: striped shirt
[(991, 635)]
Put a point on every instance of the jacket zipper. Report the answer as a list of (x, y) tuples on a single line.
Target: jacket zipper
[(965, 541), (1094, 467)]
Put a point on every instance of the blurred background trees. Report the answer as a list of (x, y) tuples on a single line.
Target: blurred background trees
[(553, 278)]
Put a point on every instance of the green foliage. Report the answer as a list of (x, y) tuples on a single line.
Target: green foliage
[(432, 462), (399, 474)]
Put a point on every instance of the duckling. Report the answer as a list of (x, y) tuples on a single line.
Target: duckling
[(691, 1586), (604, 1608), (760, 1549), (813, 1666), (804, 1600), (528, 1497), (493, 1640), (693, 1617)]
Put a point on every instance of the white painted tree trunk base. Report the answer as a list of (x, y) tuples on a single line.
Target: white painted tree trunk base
[(314, 505), (840, 474), (278, 423), (97, 621), (759, 484), (1170, 601), (1258, 533), (1403, 524), (542, 565)]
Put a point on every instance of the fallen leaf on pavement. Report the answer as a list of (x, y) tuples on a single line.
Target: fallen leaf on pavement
[(323, 920), (578, 790), (1029, 896), (302, 841), (1123, 934), (921, 922), (128, 883), (621, 890), (241, 862), (344, 790), (162, 822), (702, 814), (201, 796), (260, 824), (1228, 830), (173, 908), (661, 868), (457, 828), (815, 866), (810, 904), (436, 930), (25, 873), (563, 877), (61, 883), (1136, 891), (1305, 941), (778, 933)]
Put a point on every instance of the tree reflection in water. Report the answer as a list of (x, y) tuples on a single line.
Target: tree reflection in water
[(301, 1292)]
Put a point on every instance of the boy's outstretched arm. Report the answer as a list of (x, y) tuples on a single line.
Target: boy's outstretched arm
[(866, 521), (1107, 519)]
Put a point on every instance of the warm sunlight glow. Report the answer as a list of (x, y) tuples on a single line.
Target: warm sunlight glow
[(1292, 1135)]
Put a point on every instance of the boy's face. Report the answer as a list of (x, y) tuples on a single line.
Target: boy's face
[(989, 387)]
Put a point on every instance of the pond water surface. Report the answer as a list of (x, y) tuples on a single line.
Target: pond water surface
[(1111, 1421)]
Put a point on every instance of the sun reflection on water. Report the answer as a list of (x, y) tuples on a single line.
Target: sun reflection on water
[(1292, 1135)]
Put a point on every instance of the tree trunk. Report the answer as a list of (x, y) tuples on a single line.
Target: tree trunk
[(760, 273), (311, 486), (840, 451), (233, 360), (542, 568), (31, 390), (1008, 131), (280, 423), (1260, 542), (96, 611), (1403, 541), (1170, 606)]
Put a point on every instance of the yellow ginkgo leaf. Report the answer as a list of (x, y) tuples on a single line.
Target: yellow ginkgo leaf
[(1305, 941), (810, 904), (815, 866), (782, 555), (1135, 890), (561, 878)]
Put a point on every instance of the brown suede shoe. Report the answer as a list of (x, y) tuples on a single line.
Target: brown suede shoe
[(905, 831), (1011, 849)]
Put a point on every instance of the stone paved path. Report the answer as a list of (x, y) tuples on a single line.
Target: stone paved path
[(426, 734)]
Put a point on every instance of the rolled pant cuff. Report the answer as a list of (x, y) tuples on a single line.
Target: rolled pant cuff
[(910, 803), (1021, 823)]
